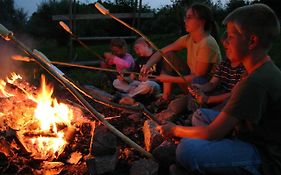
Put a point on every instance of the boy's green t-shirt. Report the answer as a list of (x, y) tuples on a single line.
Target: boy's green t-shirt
[(256, 101)]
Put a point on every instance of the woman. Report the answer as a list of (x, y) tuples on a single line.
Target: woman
[(202, 49)]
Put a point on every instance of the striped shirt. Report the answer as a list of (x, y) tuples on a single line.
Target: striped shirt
[(228, 75)]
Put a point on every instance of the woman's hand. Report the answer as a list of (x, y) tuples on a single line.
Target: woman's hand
[(167, 129)]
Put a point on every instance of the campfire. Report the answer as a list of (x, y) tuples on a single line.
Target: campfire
[(42, 129), (36, 127), (57, 135)]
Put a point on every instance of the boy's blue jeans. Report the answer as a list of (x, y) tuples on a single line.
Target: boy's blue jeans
[(225, 156)]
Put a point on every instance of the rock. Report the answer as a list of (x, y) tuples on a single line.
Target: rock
[(165, 154), (104, 143), (179, 104), (96, 92), (127, 101), (102, 164), (144, 167), (135, 117), (152, 138), (166, 115)]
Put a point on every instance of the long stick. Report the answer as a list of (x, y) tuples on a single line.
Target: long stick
[(140, 108), (27, 59), (105, 11), (66, 28), (43, 61)]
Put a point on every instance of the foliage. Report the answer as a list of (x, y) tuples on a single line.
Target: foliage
[(167, 22), (11, 17)]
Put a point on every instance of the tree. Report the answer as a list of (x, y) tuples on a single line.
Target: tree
[(13, 19)]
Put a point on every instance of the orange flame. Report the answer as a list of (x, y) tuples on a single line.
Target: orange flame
[(48, 115)]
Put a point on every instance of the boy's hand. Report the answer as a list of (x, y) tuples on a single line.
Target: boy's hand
[(119, 77), (145, 70), (201, 98), (108, 57), (196, 86)]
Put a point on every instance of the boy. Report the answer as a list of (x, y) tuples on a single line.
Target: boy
[(251, 116)]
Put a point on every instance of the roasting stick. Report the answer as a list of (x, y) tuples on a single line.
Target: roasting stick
[(27, 59), (66, 28), (43, 61), (139, 108)]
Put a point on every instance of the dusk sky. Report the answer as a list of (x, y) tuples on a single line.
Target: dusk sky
[(30, 6)]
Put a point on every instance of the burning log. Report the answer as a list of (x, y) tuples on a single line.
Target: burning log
[(32, 134), (152, 137)]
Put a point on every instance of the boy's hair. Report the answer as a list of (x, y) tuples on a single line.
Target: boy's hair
[(141, 40), (118, 42), (257, 19)]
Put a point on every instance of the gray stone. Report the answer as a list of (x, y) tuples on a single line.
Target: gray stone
[(102, 164), (144, 167), (165, 154), (96, 92), (179, 104), (166, 115), (104, 143)]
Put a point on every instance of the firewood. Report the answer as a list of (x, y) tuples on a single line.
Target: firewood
[(39, 133)]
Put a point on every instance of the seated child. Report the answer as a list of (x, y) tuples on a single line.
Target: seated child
[(143, 86)]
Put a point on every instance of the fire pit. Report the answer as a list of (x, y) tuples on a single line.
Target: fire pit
[(41, 135), (41, 126)]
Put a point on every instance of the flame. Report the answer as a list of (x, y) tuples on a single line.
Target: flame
[(51, 118), (50, 113), (9, 80), (13, 78)]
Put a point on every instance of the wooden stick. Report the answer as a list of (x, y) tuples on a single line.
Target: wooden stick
[(27, 59), (66, 28)]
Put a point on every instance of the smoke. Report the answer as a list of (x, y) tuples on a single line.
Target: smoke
[(8, 65)]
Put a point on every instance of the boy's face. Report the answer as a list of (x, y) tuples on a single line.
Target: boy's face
[(140, 49), (235, 44)]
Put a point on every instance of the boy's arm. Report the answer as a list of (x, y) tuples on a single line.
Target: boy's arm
[(218, 98)]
